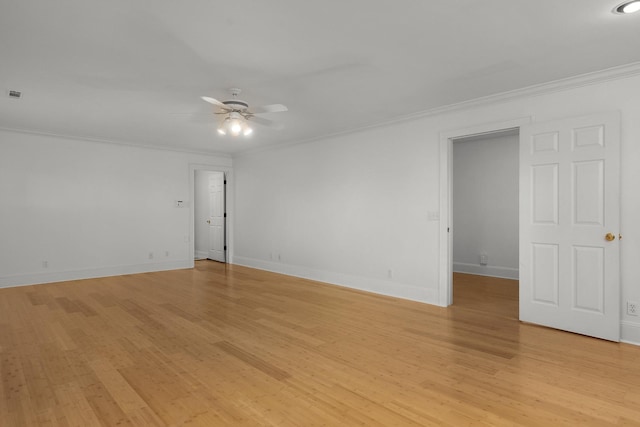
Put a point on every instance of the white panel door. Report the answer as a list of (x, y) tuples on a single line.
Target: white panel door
[(569, 202), (216, 219)]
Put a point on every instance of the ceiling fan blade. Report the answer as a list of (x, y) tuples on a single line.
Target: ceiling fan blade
[(273, 108), (265, 122), (212, 101)]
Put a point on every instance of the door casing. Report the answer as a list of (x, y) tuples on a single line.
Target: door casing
[(229, 207), (445, 288)]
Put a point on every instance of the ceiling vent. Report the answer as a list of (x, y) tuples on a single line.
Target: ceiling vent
[(15, 94)]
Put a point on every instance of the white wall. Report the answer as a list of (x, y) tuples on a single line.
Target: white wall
[(349, 208), (485, 205), (91, 209), (345, 210)]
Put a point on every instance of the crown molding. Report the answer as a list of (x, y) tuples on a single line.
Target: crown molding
[(114, 142), (560, 85), (609, 74)]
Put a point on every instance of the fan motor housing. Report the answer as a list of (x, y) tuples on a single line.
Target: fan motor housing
[(236, 104)]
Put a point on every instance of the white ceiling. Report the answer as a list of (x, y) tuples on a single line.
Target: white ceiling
[(133, 70)]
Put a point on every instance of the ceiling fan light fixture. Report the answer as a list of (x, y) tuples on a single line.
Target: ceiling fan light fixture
[(627, 7), (237, 114), (235, 127)]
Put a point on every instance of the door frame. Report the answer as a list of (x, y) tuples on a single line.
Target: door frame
[(229, 208), (445, 285)]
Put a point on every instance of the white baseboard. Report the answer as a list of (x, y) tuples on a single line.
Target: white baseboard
[(90, 273), (377, 286), (486, 270), (630, 332), (201, 254)]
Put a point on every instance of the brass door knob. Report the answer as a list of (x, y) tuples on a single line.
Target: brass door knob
[(610, 237)]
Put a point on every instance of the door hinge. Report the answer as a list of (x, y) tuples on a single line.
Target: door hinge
[(225, 214), (447, 229), (225, 182), (225, 248)]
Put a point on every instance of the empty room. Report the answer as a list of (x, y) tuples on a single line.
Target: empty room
[(364, 213)]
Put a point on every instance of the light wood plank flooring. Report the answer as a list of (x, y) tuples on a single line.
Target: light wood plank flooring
[(225, 345)]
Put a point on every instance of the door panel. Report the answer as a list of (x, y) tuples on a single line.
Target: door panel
[(588, 193), (544, 142), (544, 279), (216, 218), (545, 194), (588, 278), (569, 201)]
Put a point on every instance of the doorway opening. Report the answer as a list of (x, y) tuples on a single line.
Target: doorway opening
[(210, 216), (485, 215), (447, 139)]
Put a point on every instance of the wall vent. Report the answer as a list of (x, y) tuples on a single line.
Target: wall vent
[(15, 94)]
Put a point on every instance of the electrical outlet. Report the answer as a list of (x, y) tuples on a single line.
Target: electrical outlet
[(632, 308)]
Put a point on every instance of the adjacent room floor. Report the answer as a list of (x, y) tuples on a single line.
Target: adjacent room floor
[(227, 345), (486, 294)]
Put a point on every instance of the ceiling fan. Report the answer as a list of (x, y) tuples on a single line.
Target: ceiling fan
[(238, 114)]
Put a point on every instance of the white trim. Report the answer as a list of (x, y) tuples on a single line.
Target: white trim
[(200, 254), (229, 206), (614, 73), (90, 273), (486, 270), (568, 83), (376, 286), (630, 332), (445, 288), (560, 85), (114, 142)]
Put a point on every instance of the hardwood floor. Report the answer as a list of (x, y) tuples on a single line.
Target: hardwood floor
[(227, 345), (486, 294)]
